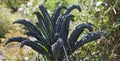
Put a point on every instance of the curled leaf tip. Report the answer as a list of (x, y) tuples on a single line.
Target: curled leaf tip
[(15, 39), (19, 20), (35, 12), (74, 6), (91, 24)]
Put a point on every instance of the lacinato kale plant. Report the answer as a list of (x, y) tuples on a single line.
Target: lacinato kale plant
[(51, 33)]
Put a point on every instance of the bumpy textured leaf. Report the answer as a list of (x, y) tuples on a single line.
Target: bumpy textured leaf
[(65, 27), (42, 41), (47, 19), (28, 25), (34, 45), (32, 29), (42, 25), (58, 28), (39, 16), (57, 11), (41, 22), (56, 14), (59, 24), (43, 30), (15, 39), (25, 41), (87, 38), (78, 30)]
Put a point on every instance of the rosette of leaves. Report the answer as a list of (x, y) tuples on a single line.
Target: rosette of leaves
[(51, 33)]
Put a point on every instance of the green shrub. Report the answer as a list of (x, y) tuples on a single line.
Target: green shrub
[(5, 21)]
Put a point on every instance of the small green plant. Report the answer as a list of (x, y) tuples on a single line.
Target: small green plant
[(51, 33), (6, 18)]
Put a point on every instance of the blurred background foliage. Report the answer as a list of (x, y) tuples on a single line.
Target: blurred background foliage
[(105, 14)]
